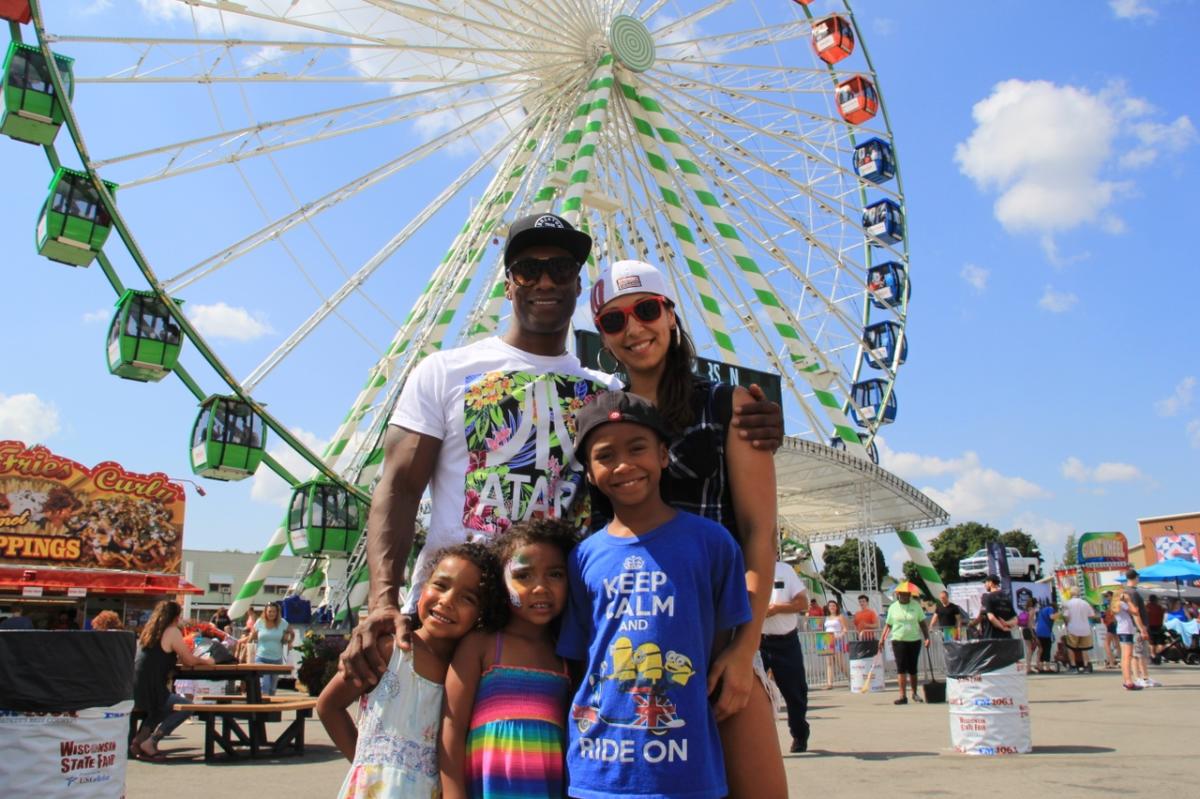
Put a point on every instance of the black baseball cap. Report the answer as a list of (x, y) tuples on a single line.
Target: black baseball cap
[(535, 229), (615, 406)]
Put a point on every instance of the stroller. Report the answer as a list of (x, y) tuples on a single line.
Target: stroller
[(1176, 652), (1062, 656)]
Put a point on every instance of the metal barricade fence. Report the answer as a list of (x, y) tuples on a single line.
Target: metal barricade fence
[(825, 663)]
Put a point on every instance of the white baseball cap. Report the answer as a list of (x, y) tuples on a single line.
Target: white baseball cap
[(627, 277)]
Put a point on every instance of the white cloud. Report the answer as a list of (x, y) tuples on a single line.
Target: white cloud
[(1193, 433), (976, 277), (1044, 149), (1051, 534), (1057, 301), (27, 417), (884, 26), (1107, 472), (272, 489), (976, 491), (99, 315), (1131, 9), (221, 321), (1179, 400), (1154, 137)]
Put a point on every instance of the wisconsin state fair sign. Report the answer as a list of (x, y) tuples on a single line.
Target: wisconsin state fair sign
[(1103, 548)]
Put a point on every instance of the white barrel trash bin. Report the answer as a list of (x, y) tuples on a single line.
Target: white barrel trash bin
[(862, 657), (988, 697), (65, 700)]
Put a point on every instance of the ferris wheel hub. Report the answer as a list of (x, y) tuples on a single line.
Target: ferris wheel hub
[(631, 42)]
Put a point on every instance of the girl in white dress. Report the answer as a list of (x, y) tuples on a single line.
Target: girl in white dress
[(835, 624), (394, 747)]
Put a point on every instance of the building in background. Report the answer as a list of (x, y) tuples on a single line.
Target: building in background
[(1165, 537), (220, 574)]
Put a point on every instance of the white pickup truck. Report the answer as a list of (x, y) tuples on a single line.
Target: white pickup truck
[(1019, 567)]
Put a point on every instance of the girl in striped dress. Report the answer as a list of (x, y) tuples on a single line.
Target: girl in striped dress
[(503, 732)]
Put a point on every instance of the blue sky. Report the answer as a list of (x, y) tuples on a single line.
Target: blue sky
[(1047, 156)]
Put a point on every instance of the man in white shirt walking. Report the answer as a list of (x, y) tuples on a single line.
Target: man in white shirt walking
[(781, 652), (1079, 631)]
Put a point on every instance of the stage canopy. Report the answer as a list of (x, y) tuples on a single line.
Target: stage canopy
[(827, 494)]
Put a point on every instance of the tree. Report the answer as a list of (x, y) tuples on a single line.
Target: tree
[(841, 565), (1071, 551), (955, 543), (1024, 543), (914, 576)]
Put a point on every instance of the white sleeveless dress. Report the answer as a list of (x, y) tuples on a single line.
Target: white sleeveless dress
[(396, 756)]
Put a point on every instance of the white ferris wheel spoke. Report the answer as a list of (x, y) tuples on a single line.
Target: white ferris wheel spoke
[(663, 33), (329, 200), (736, 41)]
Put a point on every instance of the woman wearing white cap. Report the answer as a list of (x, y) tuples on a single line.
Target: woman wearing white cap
[(715, 473)]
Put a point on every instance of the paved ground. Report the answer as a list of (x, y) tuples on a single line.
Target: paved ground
[(1090, 738)]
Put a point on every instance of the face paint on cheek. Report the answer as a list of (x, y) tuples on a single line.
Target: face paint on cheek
[(514, 598)]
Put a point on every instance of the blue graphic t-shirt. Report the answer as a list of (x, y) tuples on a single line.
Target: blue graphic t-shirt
[(1045, 623), (642, 614)]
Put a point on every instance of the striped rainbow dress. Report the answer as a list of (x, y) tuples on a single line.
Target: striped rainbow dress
[(517, 738)]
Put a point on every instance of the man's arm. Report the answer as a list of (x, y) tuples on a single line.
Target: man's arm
[(408, 464), (409, 461), (759, 421), (797, 604)]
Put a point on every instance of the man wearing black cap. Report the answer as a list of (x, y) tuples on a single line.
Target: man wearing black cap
[(488, 428)]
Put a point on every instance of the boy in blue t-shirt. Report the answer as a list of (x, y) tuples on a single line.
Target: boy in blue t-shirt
[(650, 594)]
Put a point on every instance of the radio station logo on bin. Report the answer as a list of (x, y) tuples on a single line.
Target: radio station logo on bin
[(987, 751), (984, 701)]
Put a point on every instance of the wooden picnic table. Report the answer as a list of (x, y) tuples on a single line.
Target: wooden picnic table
[(252, 708)]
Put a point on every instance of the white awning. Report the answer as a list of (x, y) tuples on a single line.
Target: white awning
[(828, 494), (221, 579)]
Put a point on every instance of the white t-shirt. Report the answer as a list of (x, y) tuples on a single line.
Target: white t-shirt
[(1078, 612), (784, 623), (506, 421)]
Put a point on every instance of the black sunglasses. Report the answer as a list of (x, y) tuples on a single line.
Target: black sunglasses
[(647, 310), (528, 271)]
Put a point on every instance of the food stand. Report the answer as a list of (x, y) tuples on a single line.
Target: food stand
[(80, 540)]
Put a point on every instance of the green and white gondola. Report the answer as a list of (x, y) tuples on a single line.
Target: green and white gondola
[(144, 341), (33, 112), (324, 519), (73, 225), (228, 439)]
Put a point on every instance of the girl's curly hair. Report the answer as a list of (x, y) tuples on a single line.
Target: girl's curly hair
[(493, 601), (556, 532)]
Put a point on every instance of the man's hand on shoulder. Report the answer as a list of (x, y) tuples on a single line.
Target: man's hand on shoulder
[(362, 662), (760, 421)]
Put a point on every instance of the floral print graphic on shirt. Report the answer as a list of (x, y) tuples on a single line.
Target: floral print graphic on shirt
[(520, 431)]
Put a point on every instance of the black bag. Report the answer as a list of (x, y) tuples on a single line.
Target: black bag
[(935, 690), (220, 654)]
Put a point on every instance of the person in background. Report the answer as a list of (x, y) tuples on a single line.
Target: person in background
[(835, 625), (949, 618), (866, 620), (1141, 642), (160, 645), (815, 611), (244, 649), (222, 622), (906, 622), (65, 620), (271, 635), (1155, 614), (999, 618), (1177, 612), (1079, 614), (1026, 620), (1112, 646), (107, 620), (1127, 619), (1043, 630), (782, 654), (17, 621)]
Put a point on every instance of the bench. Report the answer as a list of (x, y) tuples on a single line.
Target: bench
[(231, 735)]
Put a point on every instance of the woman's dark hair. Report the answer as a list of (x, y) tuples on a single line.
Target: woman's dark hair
[(164, 615), (492, 603), (836, 603), (674, 398)]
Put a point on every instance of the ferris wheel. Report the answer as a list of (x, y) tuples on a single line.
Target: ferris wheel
[(354, 164)]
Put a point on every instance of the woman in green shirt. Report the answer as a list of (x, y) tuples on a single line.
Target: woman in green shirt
[(906, 623)]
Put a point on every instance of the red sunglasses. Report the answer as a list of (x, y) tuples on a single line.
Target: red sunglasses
[(648, 310)]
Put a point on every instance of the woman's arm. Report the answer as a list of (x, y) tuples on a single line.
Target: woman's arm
[(751, 474), (174, 641), (333, 710), (462, 679)]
